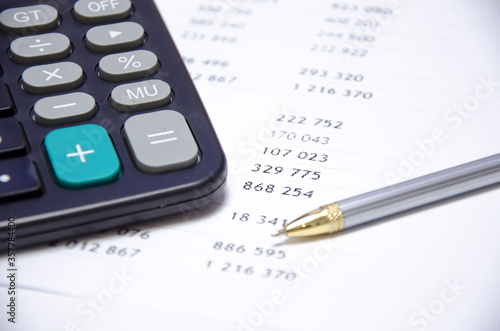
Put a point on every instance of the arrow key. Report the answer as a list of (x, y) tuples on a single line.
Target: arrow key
[(115, 37)]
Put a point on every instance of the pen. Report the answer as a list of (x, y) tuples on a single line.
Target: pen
[(396, 198)]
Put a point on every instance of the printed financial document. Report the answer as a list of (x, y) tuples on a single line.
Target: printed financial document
[(313, 101)]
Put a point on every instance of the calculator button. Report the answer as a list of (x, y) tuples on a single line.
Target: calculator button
[(129, 65), (161, 141), (138, 96), (115, 37), (64, 109), (50, 78), (11, 138), (29, 20), (93, 12), (82, 156), (18, 177), (6, 104), (40, 48)]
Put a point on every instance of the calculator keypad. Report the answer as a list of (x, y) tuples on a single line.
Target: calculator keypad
[(83, 156)]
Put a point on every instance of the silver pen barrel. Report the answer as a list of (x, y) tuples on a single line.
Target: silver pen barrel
[(420, 191)]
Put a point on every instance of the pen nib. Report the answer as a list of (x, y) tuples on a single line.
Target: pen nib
[(277, 233)]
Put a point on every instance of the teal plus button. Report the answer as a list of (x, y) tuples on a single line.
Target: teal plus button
[(82, 156)]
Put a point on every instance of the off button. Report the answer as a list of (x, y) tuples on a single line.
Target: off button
[(92, 11)]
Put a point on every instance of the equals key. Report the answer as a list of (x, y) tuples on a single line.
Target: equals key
[(161, 136)]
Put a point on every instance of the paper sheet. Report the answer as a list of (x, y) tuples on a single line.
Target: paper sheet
[(313, 101)]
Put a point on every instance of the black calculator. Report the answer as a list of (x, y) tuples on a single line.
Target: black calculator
[(100, 123)]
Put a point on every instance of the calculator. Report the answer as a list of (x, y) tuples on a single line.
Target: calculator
[(100, 123)]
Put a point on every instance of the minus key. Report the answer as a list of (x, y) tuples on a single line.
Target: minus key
[(64, 109)]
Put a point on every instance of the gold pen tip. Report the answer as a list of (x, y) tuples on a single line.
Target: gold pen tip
[(279, 232)]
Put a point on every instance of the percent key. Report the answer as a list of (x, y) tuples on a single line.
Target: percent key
[(128, 65)]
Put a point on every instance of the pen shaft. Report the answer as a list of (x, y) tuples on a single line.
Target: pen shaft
[(420, 191)]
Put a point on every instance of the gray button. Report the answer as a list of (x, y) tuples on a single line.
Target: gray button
[(51, 78), (40, 48), (115, 37), (64, 109), (130, 65), (29, 20), (161, 141), (138, 96), (93, 12)]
